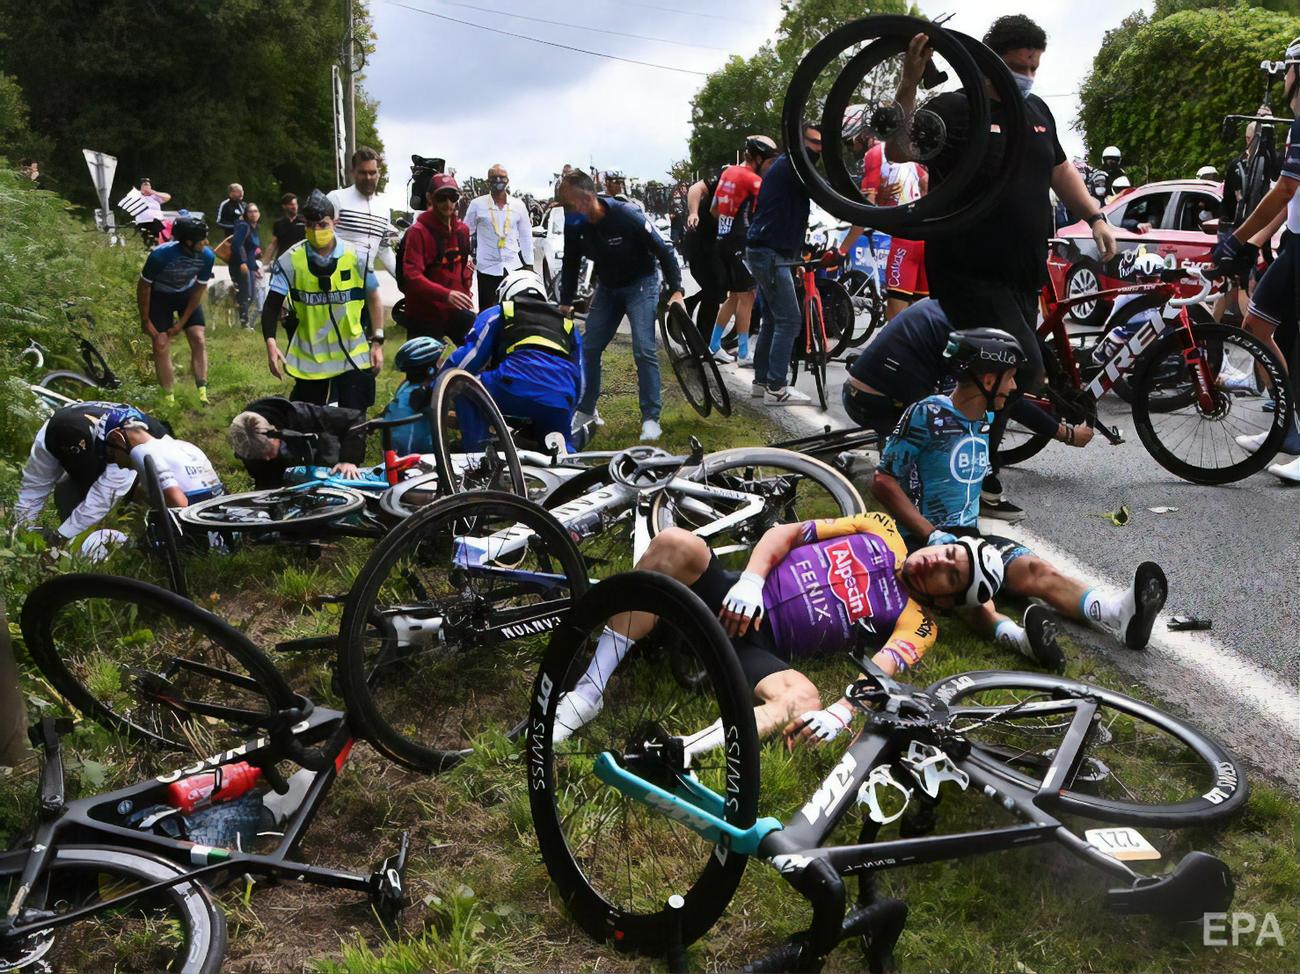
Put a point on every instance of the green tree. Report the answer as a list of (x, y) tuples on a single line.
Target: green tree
[(16, 136), (746, 95), (194, 95), (1159, 88)]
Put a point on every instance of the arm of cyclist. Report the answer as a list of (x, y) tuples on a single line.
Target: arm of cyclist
[(1233, 253), (1071, 191), (885, 488), (196, 298), (744, 603), (143, 295), (111, 486), (1266, 235), (899, 147), (474, 354)]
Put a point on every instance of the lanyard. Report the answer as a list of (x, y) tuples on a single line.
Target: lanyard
[(499, 231)]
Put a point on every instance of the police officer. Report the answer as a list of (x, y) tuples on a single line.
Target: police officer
[(333, 354)]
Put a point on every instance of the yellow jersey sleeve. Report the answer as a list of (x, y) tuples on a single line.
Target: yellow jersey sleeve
[(914, 633), (873, 522)]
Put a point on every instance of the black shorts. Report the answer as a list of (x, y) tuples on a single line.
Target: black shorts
[(166, 306), (735, 275), (757, 650), (1274, 297)]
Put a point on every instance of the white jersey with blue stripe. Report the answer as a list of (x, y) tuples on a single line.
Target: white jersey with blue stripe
[(180, 464)]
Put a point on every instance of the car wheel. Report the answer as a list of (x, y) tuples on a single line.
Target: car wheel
[(1084, 278)]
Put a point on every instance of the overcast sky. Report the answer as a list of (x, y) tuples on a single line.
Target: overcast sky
[(476, 97)]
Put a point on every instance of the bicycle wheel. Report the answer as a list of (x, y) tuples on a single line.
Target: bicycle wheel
[(686, 354), (472, 445), (817, 357), (837, 310), (446, 622), (74, 385), (1137, 766), (177, 928), (1202, 445), (614, 860), (1019, 442), (149, 664), (285, 509), (867, 302), (793, 488)]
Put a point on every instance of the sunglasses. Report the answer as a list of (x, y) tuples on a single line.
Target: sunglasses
[(445, 198)]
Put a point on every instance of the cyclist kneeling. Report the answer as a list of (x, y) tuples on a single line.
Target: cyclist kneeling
[(528, 356), (818, 588), (262, 437), (929, 479)]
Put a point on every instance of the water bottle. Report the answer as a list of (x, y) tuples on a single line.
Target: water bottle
[(208, 787)]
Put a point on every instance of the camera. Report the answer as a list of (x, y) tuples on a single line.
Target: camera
[(423, 170)]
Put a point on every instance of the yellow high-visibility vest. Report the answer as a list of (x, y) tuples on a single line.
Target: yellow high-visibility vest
[(329, 339)]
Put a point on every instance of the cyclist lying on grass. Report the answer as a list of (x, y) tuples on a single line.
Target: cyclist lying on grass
[(818, 588), (929, 479)]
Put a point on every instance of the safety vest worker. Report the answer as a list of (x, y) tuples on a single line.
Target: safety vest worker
[(334, 349)]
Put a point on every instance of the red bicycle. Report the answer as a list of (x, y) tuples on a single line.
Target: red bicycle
[(1200, 391), (823, 338)]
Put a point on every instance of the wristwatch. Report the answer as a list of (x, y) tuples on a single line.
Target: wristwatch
[(1090, 220), (377, 336)]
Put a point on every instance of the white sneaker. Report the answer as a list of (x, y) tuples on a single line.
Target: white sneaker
[(581, 419), (573, 711), (651, 431), (756, 390), (1287, 471), (745, 363), (1252, 441), (786, 396), (723, 357)]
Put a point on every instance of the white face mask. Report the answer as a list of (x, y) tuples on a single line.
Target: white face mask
[(1024, 82)]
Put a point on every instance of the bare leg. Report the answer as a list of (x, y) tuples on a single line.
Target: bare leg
[(728, 309), (894, 305), (162, 360), (1032, 577), (782, 697), (198, 354), (744, 309)]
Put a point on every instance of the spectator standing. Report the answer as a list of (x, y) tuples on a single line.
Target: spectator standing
[(151, 217), (231, 210), (436, 273), (333, 354), (361, 218), (623, 246), (172, 284), (288, 230), (503, 235), (702, 255), (245, 249)]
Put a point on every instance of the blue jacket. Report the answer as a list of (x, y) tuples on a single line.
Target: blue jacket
[(780, 219), (245, 246), (548, 378), (414, 437), (623, 246)]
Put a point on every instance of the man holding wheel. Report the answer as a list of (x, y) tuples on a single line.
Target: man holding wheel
[(992, 276)]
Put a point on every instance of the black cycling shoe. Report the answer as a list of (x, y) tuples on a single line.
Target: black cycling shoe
[(1150, 589), (1043, 629), (1003, 510), (990, 490)]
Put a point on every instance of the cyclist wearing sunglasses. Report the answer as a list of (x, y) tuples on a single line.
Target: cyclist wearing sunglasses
[(929, 479)]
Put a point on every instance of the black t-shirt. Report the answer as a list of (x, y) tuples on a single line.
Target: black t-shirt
[(1233, 183), (288, 232), (335, 441), (69, 436), (905, 360), (700, 241), (1010, 245)]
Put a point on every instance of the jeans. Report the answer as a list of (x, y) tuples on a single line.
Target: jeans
[(639, 301), (780, 317)]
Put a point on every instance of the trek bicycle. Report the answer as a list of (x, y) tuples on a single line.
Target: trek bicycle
[(821, 335), (1179, 381), (647, 815), (123, 880)]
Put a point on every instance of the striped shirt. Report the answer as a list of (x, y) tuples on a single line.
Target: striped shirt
[(362, 222)]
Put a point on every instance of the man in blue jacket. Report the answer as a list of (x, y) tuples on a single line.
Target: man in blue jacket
[(623, 246)]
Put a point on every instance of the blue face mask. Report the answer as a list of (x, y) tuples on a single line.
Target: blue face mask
[(1024, 82)]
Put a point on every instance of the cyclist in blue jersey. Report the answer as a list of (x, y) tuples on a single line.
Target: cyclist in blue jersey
[(929, 479), (169, 296), (811, 589), (419, 359)]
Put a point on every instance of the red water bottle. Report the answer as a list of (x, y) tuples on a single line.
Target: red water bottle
[(217, 785)]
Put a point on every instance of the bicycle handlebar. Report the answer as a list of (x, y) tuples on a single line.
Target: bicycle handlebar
[(1206, 284)]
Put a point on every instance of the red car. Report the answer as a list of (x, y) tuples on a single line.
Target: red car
[(1164, 218)]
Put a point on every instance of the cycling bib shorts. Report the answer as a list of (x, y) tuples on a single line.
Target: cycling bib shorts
[(905, 269)]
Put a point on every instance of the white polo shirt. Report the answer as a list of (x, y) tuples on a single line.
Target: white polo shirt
[(503, 235)]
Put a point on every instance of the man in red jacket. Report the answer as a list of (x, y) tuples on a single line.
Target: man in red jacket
[(436, 271)]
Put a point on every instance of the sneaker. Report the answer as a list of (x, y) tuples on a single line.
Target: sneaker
[(1150, 589), (745, 363), (1287, 471), (1003, 510), (573, 711), (203, 395), (651, 431), (991, 490), (756, 390), (1253, 441), (723, 357), (1043, 631), (1290, 444), (785, 396)]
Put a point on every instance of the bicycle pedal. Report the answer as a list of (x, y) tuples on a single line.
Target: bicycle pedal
[(388, 885)]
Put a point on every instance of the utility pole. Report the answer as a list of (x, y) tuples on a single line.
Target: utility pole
[(350, 67)]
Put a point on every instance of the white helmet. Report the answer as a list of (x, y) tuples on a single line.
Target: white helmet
[(520, 281), (1110, 152), (855, 120), (1207, 172), (986, 572), (1148, 265), (1121, 183)]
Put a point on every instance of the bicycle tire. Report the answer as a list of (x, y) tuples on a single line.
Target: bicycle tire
[(838, 315), (75, 380), (683, 345), (1032, 445), (451, 388), (1208, 337), (717, 465), (161, 529), (85, 872), (1222, 770), (862, 287), (74, 663), (421, 491), (363, 620), (329, 503), (708, 894), (817, 357)]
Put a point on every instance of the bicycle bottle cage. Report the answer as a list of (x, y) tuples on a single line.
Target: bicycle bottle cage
[(881, 778), (931, 767)]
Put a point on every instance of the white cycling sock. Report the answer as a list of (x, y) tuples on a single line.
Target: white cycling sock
[(610, 650), (1108, 611), (711, 738), (1010, 634)]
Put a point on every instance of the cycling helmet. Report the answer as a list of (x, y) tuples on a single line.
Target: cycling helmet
[(760, 146), (317, 207), (419, 354), (1207, 172), (986, 572), (1121, 182), (519, 282), (189, 230), (120, 417), (1293, 50), (1148, 265), (1111, 152), (855, 120), (981, 351), (613, 175)]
